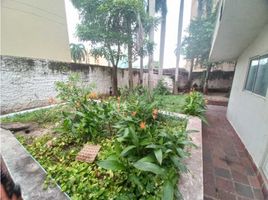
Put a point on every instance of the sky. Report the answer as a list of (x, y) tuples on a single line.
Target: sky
[(171, 29)]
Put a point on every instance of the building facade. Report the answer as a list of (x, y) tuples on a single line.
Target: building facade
[(242, 34), (35, 29)]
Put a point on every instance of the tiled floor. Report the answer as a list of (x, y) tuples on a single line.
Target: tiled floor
[(228, 171)]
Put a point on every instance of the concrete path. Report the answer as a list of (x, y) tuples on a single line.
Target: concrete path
[(228, 171), (25, 171)]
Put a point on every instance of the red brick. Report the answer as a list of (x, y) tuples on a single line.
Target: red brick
[(239, 177), (258, 194), (254, 182), (226, 185), (223, 195)]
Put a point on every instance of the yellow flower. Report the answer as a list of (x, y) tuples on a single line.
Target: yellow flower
[(142, 125)]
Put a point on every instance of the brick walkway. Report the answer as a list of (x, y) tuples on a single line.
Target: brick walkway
[(228, 171)]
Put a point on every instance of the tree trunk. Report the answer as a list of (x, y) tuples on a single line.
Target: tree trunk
[(114, 80), (141, 70), (190, 74), (200, 8), (162, 46), (205, 86), (175, 87), (130, 72), (151, 39)]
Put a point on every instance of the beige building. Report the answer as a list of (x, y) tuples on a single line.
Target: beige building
[(35, 29)]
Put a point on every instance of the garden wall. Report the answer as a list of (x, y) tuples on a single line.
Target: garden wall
[(28, 83)]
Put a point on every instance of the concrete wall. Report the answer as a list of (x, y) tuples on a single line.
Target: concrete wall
[(27, 82), (34, 28), (248, 112)]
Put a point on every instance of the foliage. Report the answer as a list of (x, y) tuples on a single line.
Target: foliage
[(79, 180), (43, 116), (172, 103), (110, 26), (149, 143), (141, 149), (83, 115), (161, 88), (198, 42), (195, 105), (78, 52)]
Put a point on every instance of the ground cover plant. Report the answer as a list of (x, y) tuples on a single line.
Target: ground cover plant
[(141, 150)]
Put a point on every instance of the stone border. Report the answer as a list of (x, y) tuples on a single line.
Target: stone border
[(191, 184), (26, 171)]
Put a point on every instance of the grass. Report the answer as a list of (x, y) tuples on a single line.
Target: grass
[(172, 103), (42, 117)]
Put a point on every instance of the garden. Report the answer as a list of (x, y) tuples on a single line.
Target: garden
[(142, 148)]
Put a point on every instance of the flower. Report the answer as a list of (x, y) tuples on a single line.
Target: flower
[(155, 113), (142, 125), (92, 95), (78, 105), (133, 114), (51, 100)]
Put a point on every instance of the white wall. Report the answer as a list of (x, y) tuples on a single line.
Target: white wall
[(247, 112), (27, 83)]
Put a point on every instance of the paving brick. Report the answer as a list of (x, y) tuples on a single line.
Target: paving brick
[(222, 172), (239, 177), (208, 198), (244, 190), (258, 194), (223, 195), (228, 169), (242, 198), (223, 184), (254, 182)]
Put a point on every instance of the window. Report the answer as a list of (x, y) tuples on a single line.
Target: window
[(257, 79)]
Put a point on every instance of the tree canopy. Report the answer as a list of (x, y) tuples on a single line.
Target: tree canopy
[(78, 52), (197, 44)]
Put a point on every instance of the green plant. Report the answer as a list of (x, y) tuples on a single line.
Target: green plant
[(78, 52), (148, 142), (43, 117), (195, 105), (161, 88), (84, 116)]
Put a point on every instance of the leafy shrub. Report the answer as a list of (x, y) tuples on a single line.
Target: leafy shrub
[(141, 154), (148, 144), (84, 116), (195, 105), (161, 89)]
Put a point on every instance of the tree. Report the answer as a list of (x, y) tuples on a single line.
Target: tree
[(161, 5), (143, 46), (178, 49), (151, 41), (105, 24), (133, 14), (78, 52), (196, 45)]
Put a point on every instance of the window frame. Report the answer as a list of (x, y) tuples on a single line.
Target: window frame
[(258, 57)]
